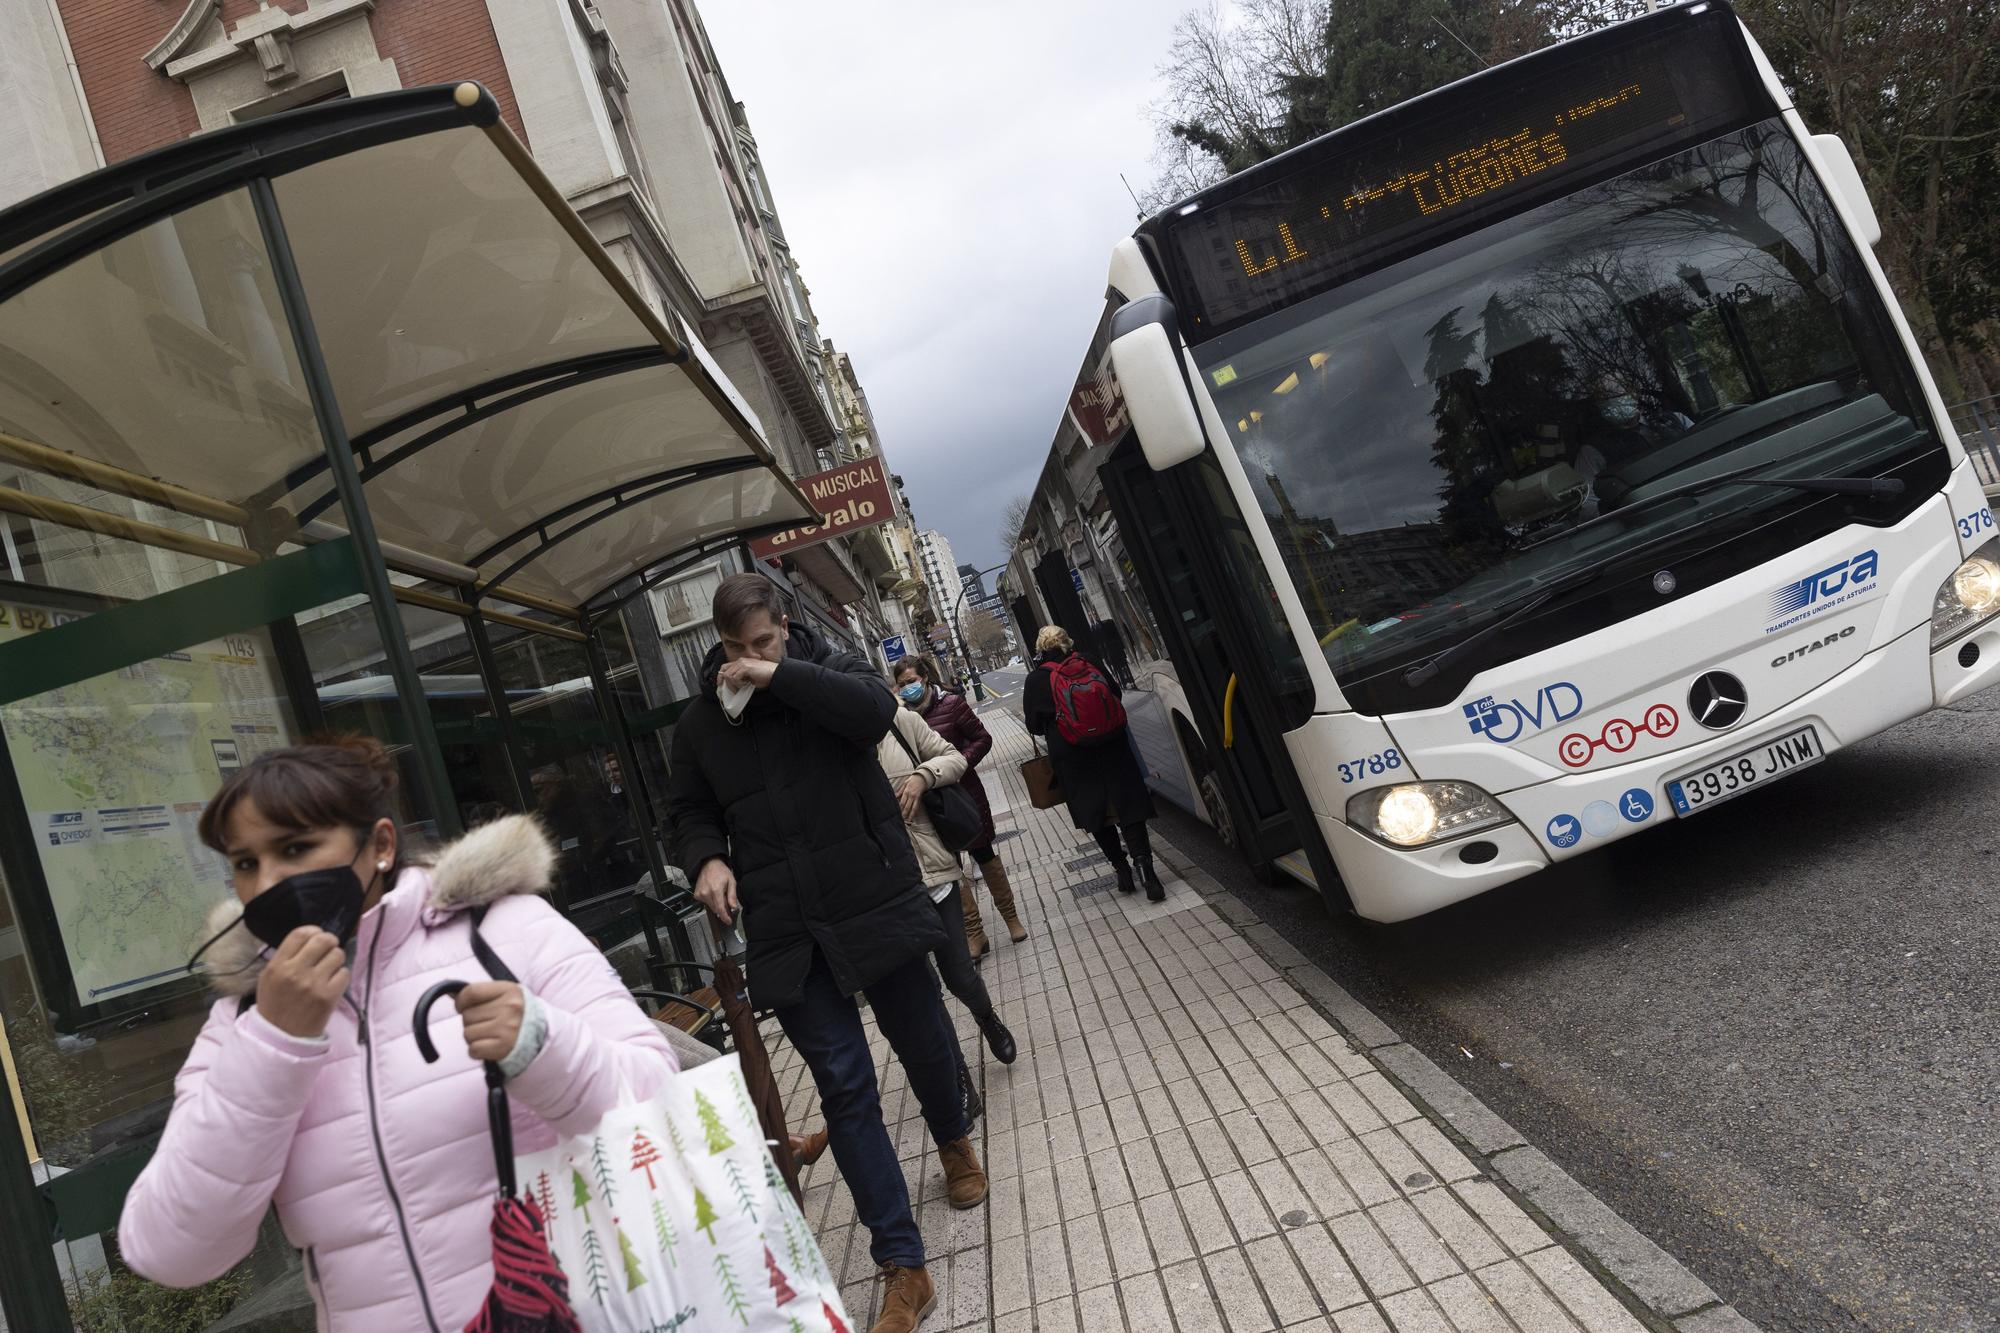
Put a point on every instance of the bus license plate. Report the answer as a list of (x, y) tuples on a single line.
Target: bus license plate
[(1720, 781)]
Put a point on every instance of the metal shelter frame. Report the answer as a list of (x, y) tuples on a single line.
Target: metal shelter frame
[(47, 234)]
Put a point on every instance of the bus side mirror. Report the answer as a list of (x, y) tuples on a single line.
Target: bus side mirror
[(1845, 178), (1151, 381)]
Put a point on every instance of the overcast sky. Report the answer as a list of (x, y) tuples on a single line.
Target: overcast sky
[(947, 176)]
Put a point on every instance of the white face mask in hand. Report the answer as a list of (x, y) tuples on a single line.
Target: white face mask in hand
[(735, 698)]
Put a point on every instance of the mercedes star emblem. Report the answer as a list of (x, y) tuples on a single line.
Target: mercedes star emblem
[(1718, 700)]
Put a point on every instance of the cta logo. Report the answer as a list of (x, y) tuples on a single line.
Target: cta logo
[(1819, 593), (1506, 721), (1618, 735), (1815, 646)]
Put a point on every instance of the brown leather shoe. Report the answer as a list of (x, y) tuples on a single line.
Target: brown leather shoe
[(908, 1298), (809, 1148), (964, 1178)]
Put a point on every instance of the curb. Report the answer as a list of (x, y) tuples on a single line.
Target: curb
[(1656, 1287)]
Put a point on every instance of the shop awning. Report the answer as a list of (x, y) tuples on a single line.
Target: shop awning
[(525, 425)]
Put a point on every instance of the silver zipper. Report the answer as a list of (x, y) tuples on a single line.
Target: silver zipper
[(375, 1131)]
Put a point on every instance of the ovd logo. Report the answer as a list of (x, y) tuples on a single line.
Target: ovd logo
[(1506, 721)]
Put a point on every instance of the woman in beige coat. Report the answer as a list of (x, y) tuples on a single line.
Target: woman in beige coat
[(938, 763)]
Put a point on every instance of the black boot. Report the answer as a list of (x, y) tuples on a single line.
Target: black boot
[(998, 1038), (1156, 892), (1123, 869), (975, 1106)]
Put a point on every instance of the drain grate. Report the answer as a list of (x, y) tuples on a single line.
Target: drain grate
[(1097, 859), (1090, 886)]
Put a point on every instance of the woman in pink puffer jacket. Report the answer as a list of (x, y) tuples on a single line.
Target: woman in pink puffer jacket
[(305, 1089)]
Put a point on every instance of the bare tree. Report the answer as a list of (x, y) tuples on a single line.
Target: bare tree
[(1228, 72), (1014, 517)]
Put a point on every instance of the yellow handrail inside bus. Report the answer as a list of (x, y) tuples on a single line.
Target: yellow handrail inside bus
[(1229, 690)]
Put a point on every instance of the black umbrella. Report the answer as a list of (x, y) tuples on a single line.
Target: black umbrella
[(530, 1293)]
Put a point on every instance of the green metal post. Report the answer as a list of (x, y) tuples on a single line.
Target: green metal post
[(360, 525)]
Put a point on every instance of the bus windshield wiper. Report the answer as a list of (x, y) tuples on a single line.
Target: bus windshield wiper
[(1425, 671), (1874, 488)]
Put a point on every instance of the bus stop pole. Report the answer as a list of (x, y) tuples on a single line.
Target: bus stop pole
[(360, 525), (639, 804), (496, 699)]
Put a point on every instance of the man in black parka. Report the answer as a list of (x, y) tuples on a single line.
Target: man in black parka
[(780, 807)]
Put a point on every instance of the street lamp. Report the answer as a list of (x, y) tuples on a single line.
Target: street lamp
[(972, 667)]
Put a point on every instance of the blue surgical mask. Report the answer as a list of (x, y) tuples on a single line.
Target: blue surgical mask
[(913, 693)]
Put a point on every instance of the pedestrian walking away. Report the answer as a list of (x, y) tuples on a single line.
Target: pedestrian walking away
[(781, 813), (305, 1089), (917, 760), (951, 717), (1072, 704)]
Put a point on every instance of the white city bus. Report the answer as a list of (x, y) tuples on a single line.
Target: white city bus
[(1551, 458)]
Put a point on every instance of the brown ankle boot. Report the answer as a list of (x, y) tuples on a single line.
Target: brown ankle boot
[(975, 929), (1003, 898), (964, 1178), (908, 1298)]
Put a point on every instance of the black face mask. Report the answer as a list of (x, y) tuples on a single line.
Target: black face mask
[(330, 899)]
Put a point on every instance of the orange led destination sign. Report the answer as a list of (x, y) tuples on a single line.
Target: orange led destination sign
[(1370, 193), (1466, 174)]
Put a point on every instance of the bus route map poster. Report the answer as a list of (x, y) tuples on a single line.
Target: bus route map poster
[(113, 772)]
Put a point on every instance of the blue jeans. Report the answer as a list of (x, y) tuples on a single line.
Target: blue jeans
[(825, 1026)]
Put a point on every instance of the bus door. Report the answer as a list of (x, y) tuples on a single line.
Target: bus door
[(1253, 796), (1065, 600)]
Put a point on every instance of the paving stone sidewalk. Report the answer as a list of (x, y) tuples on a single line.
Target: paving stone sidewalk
[(1186, 1141)]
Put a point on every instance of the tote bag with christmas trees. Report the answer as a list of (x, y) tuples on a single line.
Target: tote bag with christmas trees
[(672, 1218)]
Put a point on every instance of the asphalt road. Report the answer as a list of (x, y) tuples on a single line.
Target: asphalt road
[(1769, 1037)]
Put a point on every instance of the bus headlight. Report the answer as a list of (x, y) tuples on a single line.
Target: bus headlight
[(1411, 814), (1970, 597)]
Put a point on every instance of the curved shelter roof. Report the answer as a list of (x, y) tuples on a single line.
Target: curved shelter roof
[(525, 424)]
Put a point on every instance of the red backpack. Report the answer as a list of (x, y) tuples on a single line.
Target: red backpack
[(1087, 709)]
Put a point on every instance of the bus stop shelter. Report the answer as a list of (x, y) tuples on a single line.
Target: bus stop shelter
[(336, 420)]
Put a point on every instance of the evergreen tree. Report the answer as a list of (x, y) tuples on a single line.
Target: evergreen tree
[(780, 1288), (644, 1154), (633, 1277), (579, 1191), (732, 1291), (716, 1137), (593, 1265), (663, 1231), (832, 1319), (600, 1167), (704, 1215), (743, 1106), (743, 1197), (674, 1133), (545, 1199)]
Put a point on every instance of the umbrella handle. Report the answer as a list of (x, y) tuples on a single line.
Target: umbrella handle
[(499, 1122)]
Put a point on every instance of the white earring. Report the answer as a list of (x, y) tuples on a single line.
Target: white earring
[(382, 866)]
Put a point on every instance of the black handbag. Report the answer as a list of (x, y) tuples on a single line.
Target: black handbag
[(953, 813)]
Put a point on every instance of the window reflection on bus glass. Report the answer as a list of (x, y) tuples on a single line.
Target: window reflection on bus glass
[(1424, 439)]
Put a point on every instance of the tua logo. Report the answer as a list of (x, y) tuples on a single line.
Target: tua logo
[(1826, 584), (1504, 721)]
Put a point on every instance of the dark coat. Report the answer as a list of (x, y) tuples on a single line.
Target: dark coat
[(791, 795), (1101, 784), (952, 717)]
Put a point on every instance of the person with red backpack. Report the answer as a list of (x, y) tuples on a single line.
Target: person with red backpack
[(1073, 704)]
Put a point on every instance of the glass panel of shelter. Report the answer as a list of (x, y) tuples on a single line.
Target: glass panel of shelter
[(153, 640)]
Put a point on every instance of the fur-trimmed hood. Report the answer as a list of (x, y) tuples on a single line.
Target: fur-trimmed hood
[(508, 856)]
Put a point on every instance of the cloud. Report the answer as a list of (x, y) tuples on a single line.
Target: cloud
[(948, 179)]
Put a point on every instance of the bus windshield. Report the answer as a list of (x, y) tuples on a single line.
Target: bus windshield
[(1430, 442)]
